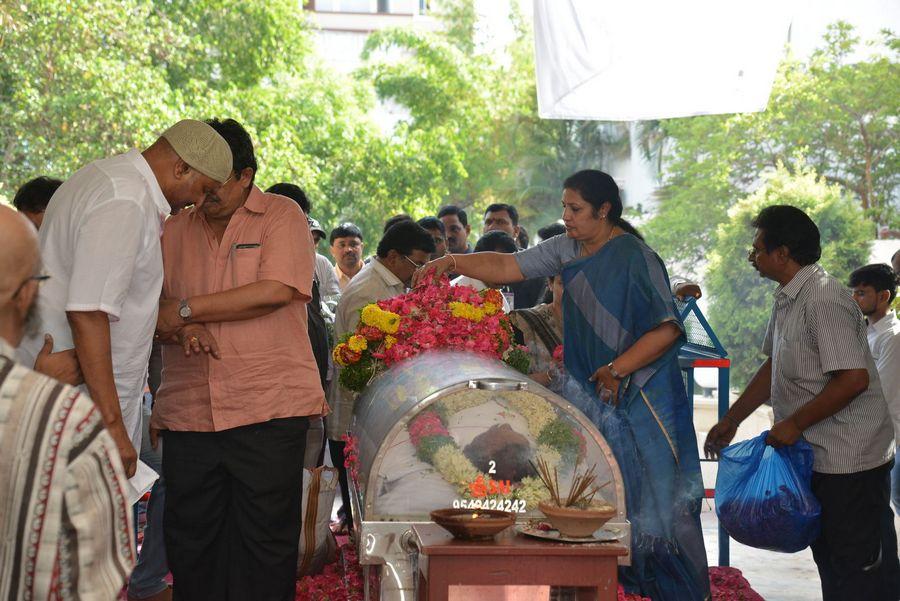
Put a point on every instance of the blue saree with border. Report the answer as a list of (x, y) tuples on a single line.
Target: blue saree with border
[(612, 298)]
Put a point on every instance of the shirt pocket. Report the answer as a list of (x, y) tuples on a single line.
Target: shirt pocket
[(789, 351), (245, 264)]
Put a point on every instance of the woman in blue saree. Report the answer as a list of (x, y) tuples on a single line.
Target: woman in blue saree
[(621, 335)]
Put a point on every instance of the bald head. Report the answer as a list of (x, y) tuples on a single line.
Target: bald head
[(21, 254), (19, 261)]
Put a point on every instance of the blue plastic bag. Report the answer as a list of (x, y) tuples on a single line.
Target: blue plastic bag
[(763, 495)]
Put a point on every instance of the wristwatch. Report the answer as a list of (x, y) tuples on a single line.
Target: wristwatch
[(184, 310), (613, 371)]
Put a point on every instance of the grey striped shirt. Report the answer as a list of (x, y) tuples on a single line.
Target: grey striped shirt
[(816, 328)]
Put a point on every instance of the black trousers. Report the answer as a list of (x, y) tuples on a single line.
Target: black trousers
[(856, 552), (232, 515), (337, 459)]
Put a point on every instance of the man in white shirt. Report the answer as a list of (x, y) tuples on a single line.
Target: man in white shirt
[(100, 245), (347, 249), (404, 248), (329, 287), (874, 289)]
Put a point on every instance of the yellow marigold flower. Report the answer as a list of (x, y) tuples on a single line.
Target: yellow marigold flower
[(336, 355), (490, 308), (357, 343), (371, 314), (389, 341), (466, 311), (388, 322)]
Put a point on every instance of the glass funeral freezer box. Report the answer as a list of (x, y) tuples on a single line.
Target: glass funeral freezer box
[(448, 429)]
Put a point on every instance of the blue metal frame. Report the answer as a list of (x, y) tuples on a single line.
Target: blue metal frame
[(687, 358)]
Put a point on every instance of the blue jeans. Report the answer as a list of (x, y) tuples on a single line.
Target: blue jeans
[(895, 484), (148, 577)]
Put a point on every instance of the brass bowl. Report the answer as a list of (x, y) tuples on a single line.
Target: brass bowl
[(473, 524), (577, 523)]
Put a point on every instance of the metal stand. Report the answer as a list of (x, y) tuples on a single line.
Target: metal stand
[(703, 350)]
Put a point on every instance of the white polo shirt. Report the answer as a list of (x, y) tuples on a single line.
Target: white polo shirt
[(100, 245), (884, 342)]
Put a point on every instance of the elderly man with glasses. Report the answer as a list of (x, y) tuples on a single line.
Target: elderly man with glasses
[(61, 477)]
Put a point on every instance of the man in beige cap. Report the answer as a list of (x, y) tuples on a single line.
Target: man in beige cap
[(100, 245)]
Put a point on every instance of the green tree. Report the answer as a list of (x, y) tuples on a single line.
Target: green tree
[(740, 299), (78, 80), (841, 116)]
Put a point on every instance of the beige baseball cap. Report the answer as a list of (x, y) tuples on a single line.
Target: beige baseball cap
[(201, 147)]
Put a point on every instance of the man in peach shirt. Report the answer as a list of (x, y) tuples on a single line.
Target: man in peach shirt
[(237, 387)]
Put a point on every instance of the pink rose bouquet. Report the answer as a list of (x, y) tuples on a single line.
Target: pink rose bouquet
[(435, 315)]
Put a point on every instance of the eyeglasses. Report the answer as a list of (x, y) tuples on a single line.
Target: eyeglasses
[(414, 264), (38, 278)]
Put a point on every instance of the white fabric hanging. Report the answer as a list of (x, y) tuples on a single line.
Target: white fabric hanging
[(652, 59)]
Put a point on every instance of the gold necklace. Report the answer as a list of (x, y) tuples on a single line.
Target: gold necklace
[(584, 250)]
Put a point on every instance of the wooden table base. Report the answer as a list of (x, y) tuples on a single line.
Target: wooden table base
[(512, 559)]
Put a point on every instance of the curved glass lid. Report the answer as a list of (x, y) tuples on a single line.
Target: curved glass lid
[(477, 447)]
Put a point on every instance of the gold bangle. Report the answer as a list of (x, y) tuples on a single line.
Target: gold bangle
[(452, 258)]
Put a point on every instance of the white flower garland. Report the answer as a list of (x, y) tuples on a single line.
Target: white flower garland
[(454, 467)]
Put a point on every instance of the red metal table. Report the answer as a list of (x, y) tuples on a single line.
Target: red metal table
[(512, 559)]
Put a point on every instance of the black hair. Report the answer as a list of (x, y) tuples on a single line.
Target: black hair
[(34, 195), (432, 223), (879, 276), (496, 241), (239, 141), (394, 220), (404, 237), (788, 226), (499, 206), (454, 210), (345, 230), (293, 192), (598, 188), (549, 231), (522, 238)]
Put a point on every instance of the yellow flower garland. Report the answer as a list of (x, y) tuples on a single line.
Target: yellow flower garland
[(357, 343), (466, 311)]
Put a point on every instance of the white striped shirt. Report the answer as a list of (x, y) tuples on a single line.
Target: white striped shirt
[(65, 521), (815, 329)]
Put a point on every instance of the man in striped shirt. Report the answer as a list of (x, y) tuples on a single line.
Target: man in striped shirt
[(65, 527), (824, 388)]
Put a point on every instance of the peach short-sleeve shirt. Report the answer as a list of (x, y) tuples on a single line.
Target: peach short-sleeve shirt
[(267, 369)]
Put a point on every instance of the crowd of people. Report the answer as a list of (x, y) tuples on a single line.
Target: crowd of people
[(185, 320)]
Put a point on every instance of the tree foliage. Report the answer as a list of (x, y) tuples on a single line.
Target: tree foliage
[(840, 116), (740, 299), (482, 112)]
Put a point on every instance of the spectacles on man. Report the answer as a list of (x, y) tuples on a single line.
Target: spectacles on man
[(38, 278), (416, 265)]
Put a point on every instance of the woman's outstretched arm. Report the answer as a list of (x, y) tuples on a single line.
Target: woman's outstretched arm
[(496, 268)]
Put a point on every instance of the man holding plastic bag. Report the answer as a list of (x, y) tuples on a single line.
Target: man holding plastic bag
[(824, 389)]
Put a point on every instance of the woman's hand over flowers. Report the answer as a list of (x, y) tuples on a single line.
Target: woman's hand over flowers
[(433, 269)]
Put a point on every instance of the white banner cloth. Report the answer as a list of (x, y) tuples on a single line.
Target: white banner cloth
[(654, 59)]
